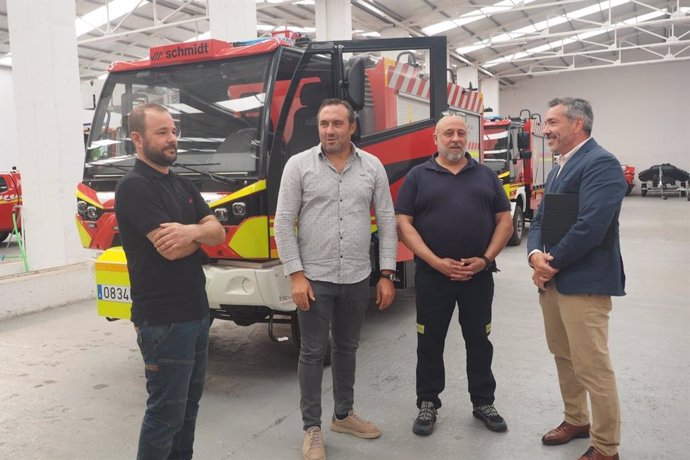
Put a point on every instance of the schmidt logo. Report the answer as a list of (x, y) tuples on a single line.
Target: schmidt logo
[(181, 51)]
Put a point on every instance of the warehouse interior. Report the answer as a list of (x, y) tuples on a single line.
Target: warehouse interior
[(73, 382)]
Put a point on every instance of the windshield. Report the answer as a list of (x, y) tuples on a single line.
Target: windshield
[(217, 106), (496, 147)]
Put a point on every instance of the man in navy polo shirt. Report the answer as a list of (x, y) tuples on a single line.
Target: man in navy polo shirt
[(453, 214)]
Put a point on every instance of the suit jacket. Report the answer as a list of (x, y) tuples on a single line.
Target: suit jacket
[(587, 267)]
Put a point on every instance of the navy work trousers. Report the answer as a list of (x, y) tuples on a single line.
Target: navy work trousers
[(436, 299)]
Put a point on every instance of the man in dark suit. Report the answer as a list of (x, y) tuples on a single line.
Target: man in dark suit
[(577, 275)]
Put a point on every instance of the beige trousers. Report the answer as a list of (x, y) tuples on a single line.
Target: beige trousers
[(577, 330)]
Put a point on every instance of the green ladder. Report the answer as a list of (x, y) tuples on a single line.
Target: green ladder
[(20, 242)]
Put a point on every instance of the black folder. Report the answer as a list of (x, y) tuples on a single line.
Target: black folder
[(560, 213)]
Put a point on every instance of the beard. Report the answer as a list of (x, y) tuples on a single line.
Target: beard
[(158, 156), (453, 157)]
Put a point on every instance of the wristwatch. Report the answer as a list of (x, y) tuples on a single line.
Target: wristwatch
[(486, 261), (390, 276)]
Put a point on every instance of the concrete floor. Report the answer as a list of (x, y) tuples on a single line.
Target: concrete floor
[(73, 387)]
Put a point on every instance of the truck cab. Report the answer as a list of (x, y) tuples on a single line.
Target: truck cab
[(242, 110)]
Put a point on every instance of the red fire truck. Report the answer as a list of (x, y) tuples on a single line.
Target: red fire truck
[(10, 202), (242, 110), (515, 148)]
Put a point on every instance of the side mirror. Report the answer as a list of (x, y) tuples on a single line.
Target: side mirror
[(357, 135), (523, 141), (354, 85)]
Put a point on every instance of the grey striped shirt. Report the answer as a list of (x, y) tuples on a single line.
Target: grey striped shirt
[(332, 213)]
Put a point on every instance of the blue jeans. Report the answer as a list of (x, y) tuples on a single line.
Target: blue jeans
[(175, 357), (339, 308)]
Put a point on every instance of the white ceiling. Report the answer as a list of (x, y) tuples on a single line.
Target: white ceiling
[(508, 39)]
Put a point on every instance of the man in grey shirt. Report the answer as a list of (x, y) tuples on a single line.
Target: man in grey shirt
[(327, 192)]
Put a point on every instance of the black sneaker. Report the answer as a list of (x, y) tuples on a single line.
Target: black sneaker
[(424, 423), (489, 415)]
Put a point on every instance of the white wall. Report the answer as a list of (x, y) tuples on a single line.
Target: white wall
[(641, 113), (9, 149)]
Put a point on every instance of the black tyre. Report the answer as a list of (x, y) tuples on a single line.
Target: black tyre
[(3, 236), (518, 227), (643, 192)]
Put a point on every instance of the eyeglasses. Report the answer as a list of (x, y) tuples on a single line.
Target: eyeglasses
[(453, 113)]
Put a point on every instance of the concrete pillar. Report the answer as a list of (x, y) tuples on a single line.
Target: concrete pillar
[(490, 89), (8, 126), (49, 128), (232, 21), (467, 75), (333, 20)]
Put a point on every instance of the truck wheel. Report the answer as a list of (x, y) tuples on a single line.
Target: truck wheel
[(3, 236), (518, 227), (643, 192), (297, 341)]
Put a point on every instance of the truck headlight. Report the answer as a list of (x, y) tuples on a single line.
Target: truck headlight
[(88, 211), (92, 213), (239, 209), (222, 215)]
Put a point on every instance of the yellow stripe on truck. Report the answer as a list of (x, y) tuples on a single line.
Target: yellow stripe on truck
[(84, 236), (250, 241), (256, 187), (83, 197)]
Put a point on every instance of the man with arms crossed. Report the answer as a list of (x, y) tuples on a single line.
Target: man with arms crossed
[(328, 192), (453, 213), (577, 275), (162, 221)]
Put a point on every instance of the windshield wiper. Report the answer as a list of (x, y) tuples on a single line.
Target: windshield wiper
[(110, 163), (214, 177)]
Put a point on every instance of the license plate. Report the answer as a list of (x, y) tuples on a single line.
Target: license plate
[(114, 293)]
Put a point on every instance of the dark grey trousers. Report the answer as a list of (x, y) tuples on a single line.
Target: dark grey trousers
[(340, 308)]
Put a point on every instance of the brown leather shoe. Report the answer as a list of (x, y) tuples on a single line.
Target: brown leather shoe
[(564, 433), (593, 454)]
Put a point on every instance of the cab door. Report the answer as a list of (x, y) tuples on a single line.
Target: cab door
[(396, 86)]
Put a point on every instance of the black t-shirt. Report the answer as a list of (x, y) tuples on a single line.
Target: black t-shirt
[(162, 291), (455, 214)]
